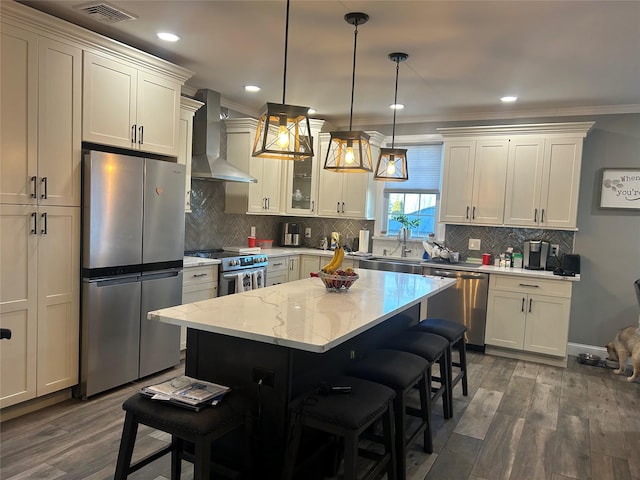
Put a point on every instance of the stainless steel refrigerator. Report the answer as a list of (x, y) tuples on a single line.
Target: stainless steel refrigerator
[(132, 253)]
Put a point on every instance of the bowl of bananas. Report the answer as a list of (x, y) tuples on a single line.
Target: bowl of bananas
[(334, 278)]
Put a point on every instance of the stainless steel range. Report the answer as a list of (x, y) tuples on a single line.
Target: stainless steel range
[(233, 263)]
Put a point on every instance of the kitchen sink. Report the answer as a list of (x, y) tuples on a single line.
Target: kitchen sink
[(387, 264)]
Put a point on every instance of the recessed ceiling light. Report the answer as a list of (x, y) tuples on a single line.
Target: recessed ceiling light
[(396, 106), (311, 111), (251, 88), (168, 37), (509, 99)]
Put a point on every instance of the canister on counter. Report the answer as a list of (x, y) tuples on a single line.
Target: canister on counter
[(517, 260)]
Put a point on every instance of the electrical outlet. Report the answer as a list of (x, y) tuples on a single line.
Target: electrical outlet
[(307, 232), (263, 374), (474, 244), (555, 250)]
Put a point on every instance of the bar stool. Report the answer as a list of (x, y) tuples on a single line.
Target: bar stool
[(454, 332), (434, 349), (347, 416), (400, 371), (200, 428)]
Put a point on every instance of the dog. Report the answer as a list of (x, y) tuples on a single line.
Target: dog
[(626, 344)]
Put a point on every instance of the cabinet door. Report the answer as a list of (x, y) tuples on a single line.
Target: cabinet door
[(18, 303), (560, 182), (505, 319), (330, 193), (157, 114), (300, 194), (308, 264), (109, 102), (18, 116), (294, 268), (58, 298), (355, 194), (524, 181), (489, 181), (271, 184), (457, 181), (59, 123), (547, 325)]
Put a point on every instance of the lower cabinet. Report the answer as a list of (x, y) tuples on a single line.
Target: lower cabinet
[(198, 283), (39, 300), (530, 315), (309, 264), (283, 270)]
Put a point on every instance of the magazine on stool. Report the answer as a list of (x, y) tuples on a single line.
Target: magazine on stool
[(186, 392)]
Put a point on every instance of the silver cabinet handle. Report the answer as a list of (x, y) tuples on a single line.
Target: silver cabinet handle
[(34, 180), (268, 203), (338, 207), (34, 230), (530, 303), (43, 180), (133, 133), (277, 264), (141, 130), (342, 207), (44, 218), (196, 275), (522, 307), (529, 285)]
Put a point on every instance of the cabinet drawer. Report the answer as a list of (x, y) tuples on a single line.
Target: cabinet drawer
[(538, 286), (197, 293), (278, 264), (276, 279), (196, 275)]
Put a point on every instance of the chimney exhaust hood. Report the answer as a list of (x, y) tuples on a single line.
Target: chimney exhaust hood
[(206, 162)]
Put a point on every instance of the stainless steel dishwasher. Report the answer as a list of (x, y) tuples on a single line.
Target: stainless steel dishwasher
[(465, 302)]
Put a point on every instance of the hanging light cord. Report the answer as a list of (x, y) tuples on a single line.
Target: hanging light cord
[(286, 46), (353, 75), (395, 104)]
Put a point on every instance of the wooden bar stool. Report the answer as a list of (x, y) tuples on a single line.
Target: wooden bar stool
[(199, 428), (347, 416), (454, 332), (434, 349), (400, 371)]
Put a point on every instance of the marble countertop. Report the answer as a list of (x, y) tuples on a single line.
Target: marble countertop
[(303, 314), (199, 262)]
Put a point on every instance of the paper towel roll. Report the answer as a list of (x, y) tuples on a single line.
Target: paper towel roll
[(363, 241)]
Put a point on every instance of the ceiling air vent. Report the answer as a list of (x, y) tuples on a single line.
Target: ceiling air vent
[(105, 13)]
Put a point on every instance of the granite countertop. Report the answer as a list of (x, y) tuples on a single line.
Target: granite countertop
[(303, 314), (199, 262)]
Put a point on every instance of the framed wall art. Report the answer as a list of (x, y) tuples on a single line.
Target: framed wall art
[(620, 188)]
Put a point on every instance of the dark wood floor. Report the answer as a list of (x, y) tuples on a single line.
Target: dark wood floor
[(521, 421)]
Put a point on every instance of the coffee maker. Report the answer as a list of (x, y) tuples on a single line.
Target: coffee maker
[(290, 235), (535, 253)]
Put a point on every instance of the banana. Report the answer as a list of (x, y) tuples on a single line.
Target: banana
[(328, 266), (339, 260)]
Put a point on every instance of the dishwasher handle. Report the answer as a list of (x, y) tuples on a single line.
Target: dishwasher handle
[(458, 274)]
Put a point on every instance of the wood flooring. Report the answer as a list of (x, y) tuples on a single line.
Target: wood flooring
[(521, 421)]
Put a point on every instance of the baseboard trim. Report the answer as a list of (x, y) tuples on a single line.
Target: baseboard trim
[(529, 357), (576, 348)]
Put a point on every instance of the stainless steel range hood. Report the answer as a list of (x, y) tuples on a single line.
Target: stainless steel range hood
[(206, 163)]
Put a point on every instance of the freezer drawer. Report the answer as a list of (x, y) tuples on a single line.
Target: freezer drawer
[(159, 342), (110, 339)]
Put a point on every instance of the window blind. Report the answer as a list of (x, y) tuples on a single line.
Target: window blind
[(423, 163)]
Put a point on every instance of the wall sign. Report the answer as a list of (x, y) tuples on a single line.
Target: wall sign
[(620, 188)]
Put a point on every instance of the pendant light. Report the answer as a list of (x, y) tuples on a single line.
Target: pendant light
[(392, 162), (349, 151), (283, 130)]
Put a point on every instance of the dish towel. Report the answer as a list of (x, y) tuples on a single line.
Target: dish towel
[(258, 278), (244, 282)]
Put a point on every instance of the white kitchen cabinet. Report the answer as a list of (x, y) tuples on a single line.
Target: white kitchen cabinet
[(301, 184), (40, 119), (283, 270), (39, 300), (188, 108), (126, 106), (263, 197), (309, 264), (198, 283), (542, 183), (530, 315), (346, 195), (473, 181)]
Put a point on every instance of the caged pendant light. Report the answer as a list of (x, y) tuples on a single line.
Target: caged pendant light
[(349, 151), (392, 162), (283, 131)]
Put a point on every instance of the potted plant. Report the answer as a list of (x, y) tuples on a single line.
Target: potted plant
[(407, 225)]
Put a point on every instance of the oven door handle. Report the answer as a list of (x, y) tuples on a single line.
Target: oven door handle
[(233, 276)]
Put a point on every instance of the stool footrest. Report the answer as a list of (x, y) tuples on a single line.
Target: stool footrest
[(143, 462)]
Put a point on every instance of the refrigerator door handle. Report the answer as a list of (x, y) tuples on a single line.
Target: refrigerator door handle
[(174, 272), (110, 281)]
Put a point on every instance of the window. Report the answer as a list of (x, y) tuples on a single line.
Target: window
[(417, 198)]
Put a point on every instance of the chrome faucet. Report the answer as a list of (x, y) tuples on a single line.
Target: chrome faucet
[(402, 235)]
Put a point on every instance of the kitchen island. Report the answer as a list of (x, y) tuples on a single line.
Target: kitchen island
[(277, 342)]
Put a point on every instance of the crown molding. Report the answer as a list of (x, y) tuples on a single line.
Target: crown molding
[(569, 128)]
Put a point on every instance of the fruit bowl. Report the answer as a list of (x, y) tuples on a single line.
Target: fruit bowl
[(338, 283)]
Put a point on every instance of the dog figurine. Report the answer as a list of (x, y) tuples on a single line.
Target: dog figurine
[(626, 344)]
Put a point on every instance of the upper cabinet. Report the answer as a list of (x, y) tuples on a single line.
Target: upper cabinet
[(127, 107), (347, 195), (188, 108), (40, 119), (473, 181), (514, 175)]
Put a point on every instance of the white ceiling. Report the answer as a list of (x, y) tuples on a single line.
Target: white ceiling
[(559, 57)]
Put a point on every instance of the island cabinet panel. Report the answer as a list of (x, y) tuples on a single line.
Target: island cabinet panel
[(288, 372), (198, 283), (530, 315)]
